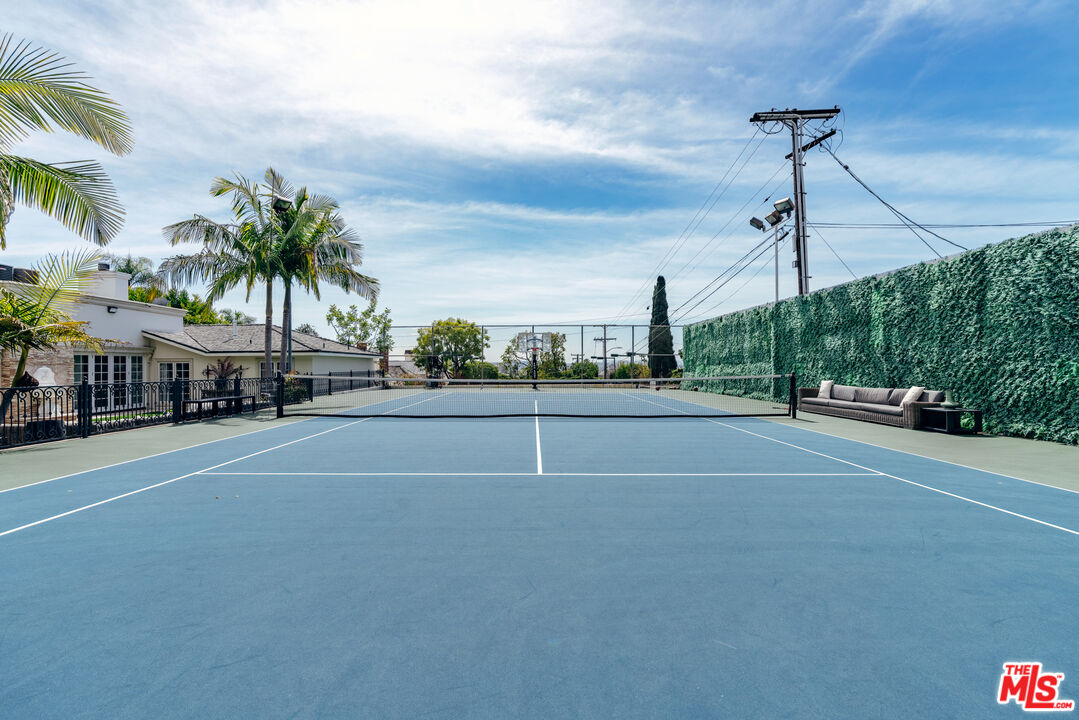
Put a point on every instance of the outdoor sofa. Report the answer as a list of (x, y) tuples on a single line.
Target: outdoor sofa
[(901, 407)]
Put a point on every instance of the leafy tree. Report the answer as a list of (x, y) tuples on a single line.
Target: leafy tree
[(36, 316), (39, 91), (583, 370), (307, 329), (354, 326), (448, 345), (199, 311), (513, 361), (479, 370), (629, 371), (661, 360), (552, 361)]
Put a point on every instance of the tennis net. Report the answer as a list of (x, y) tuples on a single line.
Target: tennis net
[(757, 395)]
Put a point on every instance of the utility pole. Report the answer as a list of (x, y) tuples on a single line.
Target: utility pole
[(604, 339), (796, 120)]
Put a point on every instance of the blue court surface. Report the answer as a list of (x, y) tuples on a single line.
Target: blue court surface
[(532, 568)]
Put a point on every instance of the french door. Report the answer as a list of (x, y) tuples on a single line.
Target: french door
[(115, 380)]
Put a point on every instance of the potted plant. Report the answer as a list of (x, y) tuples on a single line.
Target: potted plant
[(221, 371)]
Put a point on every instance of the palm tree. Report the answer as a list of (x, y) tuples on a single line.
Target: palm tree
[(241, 252), (141, 270), (38, 91), (314, 245), (35, 316)]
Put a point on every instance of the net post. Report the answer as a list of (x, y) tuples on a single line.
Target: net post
[(279, 390), (794, 396)]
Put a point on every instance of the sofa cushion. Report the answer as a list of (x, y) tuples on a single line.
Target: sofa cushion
[(895, 397), (933, 396), (877, 396), (815, 401), (866, 407), (825, 389), (843, 392), (912, 395)]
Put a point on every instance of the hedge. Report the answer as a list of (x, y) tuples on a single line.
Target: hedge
[(997, 326)]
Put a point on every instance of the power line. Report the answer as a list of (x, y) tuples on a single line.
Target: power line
[(694, 223), (738, 262), (943, 226), (816, 230), (747, 282), (737, 214), (902, 218)]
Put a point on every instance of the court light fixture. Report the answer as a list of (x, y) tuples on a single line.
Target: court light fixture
[(774, 218), (281, 203), (755, 222), (784, 206)]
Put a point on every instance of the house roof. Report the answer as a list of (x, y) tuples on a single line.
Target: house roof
[(249, 339)]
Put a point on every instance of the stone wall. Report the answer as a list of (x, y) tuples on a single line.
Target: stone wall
[(61, 361)]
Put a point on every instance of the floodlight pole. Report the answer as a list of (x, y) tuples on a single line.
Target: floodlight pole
[(796, 120)]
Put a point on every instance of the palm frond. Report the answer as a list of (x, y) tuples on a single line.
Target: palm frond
[(38, 88), (199, 229), (61, 280), (79, 195), (278, 185), (247, 206)]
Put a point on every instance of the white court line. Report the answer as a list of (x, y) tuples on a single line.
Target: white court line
[(926, 457), (165, 452), (889, 475), (909, 482), (539, 454), (187, 475), (529, 474), (166, 482)]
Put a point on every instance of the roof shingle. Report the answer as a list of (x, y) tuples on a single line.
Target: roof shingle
[(220, 339)]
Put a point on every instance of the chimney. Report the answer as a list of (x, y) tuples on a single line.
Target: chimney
[(110, 283)]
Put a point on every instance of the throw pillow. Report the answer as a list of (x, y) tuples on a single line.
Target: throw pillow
[(912, 395), (825, 389)]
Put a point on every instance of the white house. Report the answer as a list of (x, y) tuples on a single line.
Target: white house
[(148, 342)]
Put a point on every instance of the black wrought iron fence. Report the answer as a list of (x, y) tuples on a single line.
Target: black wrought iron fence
[(41, 414), (301, 388)]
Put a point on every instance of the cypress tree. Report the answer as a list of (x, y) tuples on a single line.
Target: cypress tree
[(661, 360)]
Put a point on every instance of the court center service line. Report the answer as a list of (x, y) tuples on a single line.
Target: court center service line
[(539, 453)]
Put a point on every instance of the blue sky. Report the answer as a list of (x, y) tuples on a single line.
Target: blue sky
[(535, 161)]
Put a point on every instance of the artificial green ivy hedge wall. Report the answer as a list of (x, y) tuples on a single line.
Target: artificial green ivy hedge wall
[(998, 326)]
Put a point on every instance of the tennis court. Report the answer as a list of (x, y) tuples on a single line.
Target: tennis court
[(532, 567)]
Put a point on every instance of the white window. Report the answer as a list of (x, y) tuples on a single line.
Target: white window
[(111, 378), (137, 378), (274, 369), (169, 371), (82, 365)]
